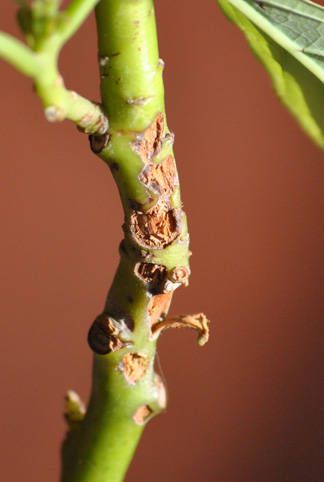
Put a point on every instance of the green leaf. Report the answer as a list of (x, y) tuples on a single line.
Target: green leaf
[(287, 37)]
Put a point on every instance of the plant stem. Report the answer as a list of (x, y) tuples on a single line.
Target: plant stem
[(73, 17), (131, 75), (46, 35), (154, 255), (18, 55), (61, 103), (126, 392)]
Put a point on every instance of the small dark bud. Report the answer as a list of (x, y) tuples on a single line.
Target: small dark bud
[(97, 143), (104, 335)]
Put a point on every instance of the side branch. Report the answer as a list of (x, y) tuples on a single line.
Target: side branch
[(73, 17), (18, 55), (46, 31), (61, 103)]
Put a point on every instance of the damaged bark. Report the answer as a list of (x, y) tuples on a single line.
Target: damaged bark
[(135, 366), (158, 308), (142, 414), (149, 232), (154, 254), (128, 131), (159, 226)]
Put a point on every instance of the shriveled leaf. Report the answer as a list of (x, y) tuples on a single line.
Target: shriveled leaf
[(287, 37)]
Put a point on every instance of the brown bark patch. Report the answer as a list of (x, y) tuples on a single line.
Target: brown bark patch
[(142, 414), (158, 307), (135, 366), (153, 274), (160, 178), (158, 227), (104, 334), (150, 144)]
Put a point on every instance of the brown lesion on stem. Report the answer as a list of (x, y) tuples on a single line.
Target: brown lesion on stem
[(150, 142), (160, 225), (160, 178), (159, 279), (135, 366), (153, 274), (142, 414), (158, 307), (198, 322)]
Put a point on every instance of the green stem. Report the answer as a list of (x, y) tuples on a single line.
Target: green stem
[(61, 103), (154, 256), (109, 435), (126, 392), (131, 75), (18, 55)]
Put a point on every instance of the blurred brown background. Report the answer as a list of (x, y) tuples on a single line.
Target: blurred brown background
[(248, 407)]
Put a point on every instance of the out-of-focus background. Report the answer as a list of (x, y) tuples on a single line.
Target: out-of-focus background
[(248, 407)]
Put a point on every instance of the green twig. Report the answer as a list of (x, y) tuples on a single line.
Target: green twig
[(72, 18), (61, 103), (18, 55), (47, 30)]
